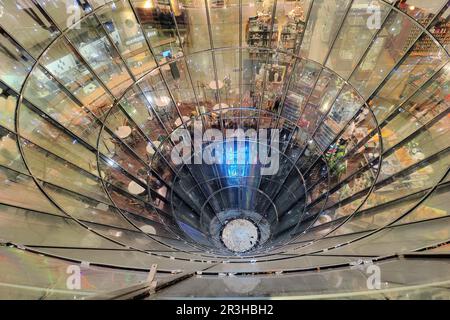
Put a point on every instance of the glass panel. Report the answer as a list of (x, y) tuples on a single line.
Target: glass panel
[(9, 151), (158, 96), (253, 72), (424, 177), (20, 190), (227, 63), (440, 27), (65, 14), (342, 111), (414, 180), (392, 42), (436, 206), (45, 93), (127, 258), (64, 63), (224, 23), (379, 216), (136, 240), (324, 22), (290, 23), (276, 72), (203, 77), (151, 227), (417, 148), (411, 151), (26, 22), (93, 44), (341, 202), (178, 81), (192, 24), (325, 91), (361, 24), (49, 168), (421, 12), (39, 131), (33, 228), (400, 239), (8, 103), (47, 279), (431, 100), (159, 26), (257, 24), (284, 264), (86, 209), (16, 63), (304, 78), (140, 110), (412, 74), (120, 22)]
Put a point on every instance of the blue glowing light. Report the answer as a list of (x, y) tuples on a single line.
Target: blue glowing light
[(237, 161)]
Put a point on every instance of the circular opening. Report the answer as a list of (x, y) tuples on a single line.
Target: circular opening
[(240, 235)]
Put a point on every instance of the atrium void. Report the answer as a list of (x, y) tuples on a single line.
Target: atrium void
[(224, 149)]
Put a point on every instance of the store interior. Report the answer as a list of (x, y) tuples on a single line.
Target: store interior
[(92, 94)]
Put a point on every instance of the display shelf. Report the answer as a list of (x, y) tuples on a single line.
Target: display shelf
[(292, 106), (398, 163), (161, 20), (441, 32), (289, 36), (425, 45), (260, 33), (324, 136)]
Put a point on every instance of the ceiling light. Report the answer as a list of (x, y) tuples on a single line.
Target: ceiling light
[(149, 4)]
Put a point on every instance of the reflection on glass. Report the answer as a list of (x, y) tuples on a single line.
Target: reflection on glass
[(440, 27), (159, 27), (26, 22), (62, 61), (423, 13), (410, 76), (119, 22), (355, 36), (324, 21), (192, 24), (16, 63), (391, 43), (93, 44), (8, 103)]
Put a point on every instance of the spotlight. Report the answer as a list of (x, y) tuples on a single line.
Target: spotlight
[(148, 4)]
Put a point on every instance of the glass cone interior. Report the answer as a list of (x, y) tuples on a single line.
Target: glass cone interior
[(267, 148)]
